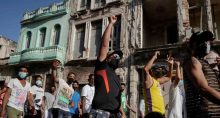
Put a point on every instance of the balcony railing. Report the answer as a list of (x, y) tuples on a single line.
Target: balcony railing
[(37, 54), (53, 8)]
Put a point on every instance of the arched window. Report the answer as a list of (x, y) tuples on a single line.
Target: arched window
[(42, 36), (57, 29), (28, 39)]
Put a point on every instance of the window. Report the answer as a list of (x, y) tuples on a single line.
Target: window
[(28, 39), (79, 41), (95, 40), (83, 4), (42, 36), (97, 4), (114, 44), (57, 29), (0, 47)]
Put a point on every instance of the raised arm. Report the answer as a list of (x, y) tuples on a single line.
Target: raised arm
[(106, 39), (202, 84), (148, 81), (178, 73), (165, 79), (151, 61), (54, 74)]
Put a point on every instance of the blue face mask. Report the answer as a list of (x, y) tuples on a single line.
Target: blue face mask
[(22, 75), (181, 83), (39, 83)]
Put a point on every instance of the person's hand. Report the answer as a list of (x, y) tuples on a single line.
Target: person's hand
[(55, 64), (170, 60), (177, 63), (2, 115), (113, 19), (123, 116), (33, 111), (71, 104), (156, 53)]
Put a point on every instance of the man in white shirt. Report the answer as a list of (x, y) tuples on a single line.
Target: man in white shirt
[(38, 94), (18, 90), (63, 94), (87, 95)]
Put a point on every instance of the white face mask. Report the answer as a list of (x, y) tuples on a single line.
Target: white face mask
[(208, 47), (39, 83)]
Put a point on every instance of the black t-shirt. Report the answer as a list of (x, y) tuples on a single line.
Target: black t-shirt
[(107, 88)]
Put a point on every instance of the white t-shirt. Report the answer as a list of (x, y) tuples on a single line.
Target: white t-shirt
[(63, 96), (175, 109), (38, 93), (18, 94), (88, 92)]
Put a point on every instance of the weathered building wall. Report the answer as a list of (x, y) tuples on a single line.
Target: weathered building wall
[(7, 46)]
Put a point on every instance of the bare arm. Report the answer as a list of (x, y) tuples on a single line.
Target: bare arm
[(202, 84), (5, 101), (105, 40), (55, 72), (178, 74), (43, 104), (83, 104), (148, 80), (122, 112), (149, 64), (31, 101), (129, 107)]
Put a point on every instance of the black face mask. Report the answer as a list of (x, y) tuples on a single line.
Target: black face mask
[(160, 73), (70, 80), (114, 63), (202, 50)]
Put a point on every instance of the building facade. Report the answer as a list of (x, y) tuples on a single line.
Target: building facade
[(71, 32), (7, 47), (43, 38)]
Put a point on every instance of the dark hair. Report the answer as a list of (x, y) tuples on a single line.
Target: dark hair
[(123, 84), (70, 73), (18, 68), (36, 76), (76, 82), (154, 115), (90, 76)]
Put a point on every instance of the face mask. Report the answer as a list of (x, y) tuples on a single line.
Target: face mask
[(203, 49), (114, 63), (22, 75), (39, 83), (208, 48), (181, 83), (160, 73)]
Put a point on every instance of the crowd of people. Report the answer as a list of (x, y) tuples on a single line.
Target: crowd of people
[(194, 90)]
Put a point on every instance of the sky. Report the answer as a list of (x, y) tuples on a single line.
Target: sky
[(12, 11)]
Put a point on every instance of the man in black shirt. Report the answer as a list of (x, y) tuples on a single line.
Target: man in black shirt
[(106, 102)]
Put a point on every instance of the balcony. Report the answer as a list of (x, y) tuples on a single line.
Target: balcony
[(55, 9), (38, 54)]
